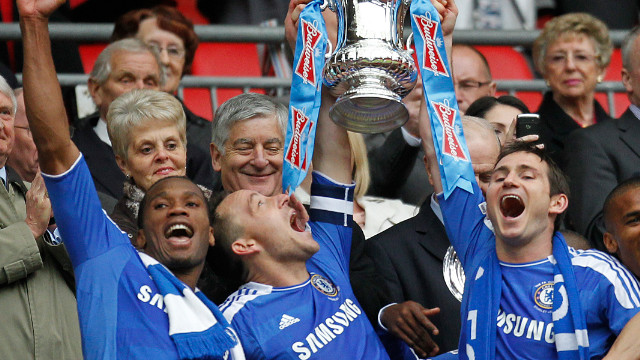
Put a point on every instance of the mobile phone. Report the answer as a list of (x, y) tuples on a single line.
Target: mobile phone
[(527, 124)]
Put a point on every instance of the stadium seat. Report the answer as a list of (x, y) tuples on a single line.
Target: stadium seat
[(506, 63), (89, 53), (220, 59), (614, 74)]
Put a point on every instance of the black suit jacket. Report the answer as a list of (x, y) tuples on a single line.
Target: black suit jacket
[(397, 170), (557, 125), (598, 158), (105, 172), (408, 257)]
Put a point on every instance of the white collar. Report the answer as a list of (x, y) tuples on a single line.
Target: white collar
[(101, 130)]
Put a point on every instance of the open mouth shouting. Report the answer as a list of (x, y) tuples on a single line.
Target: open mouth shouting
[(179, 233), (297, 223), (511, 206)]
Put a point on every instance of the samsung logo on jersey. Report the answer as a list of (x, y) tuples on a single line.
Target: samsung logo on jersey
[(522, 326), (327, 330), (145, 295)]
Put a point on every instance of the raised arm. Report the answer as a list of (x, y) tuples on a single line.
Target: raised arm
[(42, 94)]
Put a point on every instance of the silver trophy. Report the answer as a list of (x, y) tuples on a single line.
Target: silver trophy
[(370, 71), (453, 273)]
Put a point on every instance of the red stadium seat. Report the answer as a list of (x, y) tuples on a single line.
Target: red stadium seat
[(506, 63), (614, 74), (220, 59), (89, 53)]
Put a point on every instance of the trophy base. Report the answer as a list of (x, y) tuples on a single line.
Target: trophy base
[(369, 112)]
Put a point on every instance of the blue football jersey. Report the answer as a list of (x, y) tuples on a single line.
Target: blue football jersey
[(320, 318), (120, 309), (609, 294)]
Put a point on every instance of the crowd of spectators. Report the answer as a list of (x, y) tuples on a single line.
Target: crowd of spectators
[(151, 215)]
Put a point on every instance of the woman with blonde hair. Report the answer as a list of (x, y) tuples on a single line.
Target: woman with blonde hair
[(572, 54)]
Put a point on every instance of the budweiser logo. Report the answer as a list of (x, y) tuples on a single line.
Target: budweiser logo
[(306, 65), (428, 31), (305, 163), (451, 144), (300, 121)]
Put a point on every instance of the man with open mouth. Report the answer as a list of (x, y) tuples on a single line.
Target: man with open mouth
[(527, 294), (131, 305)]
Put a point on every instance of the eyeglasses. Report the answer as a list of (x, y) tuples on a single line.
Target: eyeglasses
[(560, 59), (174, 52), (469, 85)]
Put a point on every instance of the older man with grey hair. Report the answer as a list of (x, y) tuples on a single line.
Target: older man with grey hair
[(39, 318), (122, 66), (602, 156), (247, 143)]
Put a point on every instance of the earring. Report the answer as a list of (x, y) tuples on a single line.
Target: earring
[(600, 77), (547, 83)]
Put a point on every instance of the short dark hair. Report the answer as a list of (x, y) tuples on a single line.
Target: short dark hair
[(558, 183), (621, 189), (145, 199), (481, 106), (226, 230)]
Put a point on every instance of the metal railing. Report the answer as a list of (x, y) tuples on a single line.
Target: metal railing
[(234, 33)]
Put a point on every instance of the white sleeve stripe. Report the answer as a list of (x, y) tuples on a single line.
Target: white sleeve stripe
[(629, 279), (66, 172), (626, 296), (332, 205)]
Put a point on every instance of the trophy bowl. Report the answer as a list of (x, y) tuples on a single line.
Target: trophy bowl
[(370, 72)]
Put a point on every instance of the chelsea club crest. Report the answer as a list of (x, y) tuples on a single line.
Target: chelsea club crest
[(543, 296), (324, 285)]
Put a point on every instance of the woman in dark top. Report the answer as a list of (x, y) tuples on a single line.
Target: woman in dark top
[(572, 54)]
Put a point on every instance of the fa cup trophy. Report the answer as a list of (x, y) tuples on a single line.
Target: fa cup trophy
[(371, 69)]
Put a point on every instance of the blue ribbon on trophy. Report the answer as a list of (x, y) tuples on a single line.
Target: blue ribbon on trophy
[(439, 95), (306, 86)]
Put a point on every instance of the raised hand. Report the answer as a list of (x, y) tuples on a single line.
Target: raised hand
[(38, 8), (38, 207), (448, 14), (291, 21), (410, 322)]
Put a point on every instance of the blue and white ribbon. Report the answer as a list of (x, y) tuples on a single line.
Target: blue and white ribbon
[(304, 104), (439, 95)]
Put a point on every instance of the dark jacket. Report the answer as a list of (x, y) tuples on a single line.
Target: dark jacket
[(557, 125), (408, 258), (597, 159)]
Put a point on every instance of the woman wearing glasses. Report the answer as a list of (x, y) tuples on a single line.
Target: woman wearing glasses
[(572, 54), (171, 34)]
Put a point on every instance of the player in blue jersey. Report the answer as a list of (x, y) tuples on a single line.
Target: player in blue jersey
[(297, 302), (528, 295), (130, 306)]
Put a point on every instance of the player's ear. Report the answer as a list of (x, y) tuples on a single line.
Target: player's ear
[(245, 246), (141, 240), (558, 204), (610, 243)]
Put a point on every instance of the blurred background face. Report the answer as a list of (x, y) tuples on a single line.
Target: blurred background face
[(501, 117), (155, 151), (7, 134), (471, 78), (570, 66), (170, 47), (129, 70), (24, 155)]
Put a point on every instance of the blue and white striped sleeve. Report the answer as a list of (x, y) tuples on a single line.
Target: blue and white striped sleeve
[(331, 216)]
